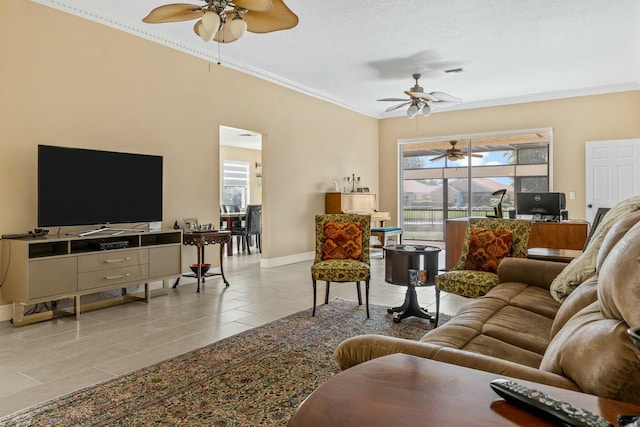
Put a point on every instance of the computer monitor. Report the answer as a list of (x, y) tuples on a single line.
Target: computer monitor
[(543, 206)]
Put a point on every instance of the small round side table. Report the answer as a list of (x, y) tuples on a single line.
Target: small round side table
[(404, 261)]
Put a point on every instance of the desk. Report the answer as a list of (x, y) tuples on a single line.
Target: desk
[(552, 235), (557, 255), (229, 217), (408, 391), (202, 239), (399, 260)]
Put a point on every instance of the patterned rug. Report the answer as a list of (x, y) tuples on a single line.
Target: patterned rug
[(255, 378)]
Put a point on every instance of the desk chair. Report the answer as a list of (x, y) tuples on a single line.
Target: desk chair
[(342, 253)]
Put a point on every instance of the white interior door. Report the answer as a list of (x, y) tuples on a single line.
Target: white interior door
[(612, 173)]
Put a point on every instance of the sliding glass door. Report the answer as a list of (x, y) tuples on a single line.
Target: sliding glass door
[(465, 176)]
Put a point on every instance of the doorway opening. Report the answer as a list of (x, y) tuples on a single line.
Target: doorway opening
[(240, 175)]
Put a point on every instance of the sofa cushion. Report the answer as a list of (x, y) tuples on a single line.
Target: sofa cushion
[(619, 280), (613, 236), (342, 240), (584, 266), (492, 325), (596, 336), (582, 296), (596, 354), (487, 247), (527, 297)]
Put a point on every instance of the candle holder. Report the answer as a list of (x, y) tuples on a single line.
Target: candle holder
[(353, 180)]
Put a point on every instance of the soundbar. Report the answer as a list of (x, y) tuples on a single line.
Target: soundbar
[(104, 246)]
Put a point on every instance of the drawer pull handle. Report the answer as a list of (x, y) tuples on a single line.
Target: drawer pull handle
[(118, 260), (121, 276)]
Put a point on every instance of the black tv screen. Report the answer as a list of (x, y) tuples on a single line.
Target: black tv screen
[(91, 187)]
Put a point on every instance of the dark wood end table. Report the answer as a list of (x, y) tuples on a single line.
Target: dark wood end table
[(408, 391), (202, 239), (551, 254), (399, 260)]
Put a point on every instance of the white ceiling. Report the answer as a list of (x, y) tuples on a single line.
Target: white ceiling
[(354, 52)]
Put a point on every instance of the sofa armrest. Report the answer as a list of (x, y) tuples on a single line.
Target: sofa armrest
[(530, 271), (359, 349)]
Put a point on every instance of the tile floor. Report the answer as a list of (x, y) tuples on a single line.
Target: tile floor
[(41, 361)]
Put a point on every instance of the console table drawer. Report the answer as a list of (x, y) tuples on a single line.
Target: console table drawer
[(52, 276), (112, 259), (113, 276)]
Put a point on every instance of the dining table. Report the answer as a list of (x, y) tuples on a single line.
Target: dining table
[(228, 217)]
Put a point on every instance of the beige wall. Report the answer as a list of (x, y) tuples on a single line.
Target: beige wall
[(76, 83), (573, 120), (68, 81)]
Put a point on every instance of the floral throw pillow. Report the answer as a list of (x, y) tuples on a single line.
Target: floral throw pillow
[(342, 240), (487, 247)]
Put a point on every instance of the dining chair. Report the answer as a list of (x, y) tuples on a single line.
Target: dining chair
[(252, 227), (342, 253)]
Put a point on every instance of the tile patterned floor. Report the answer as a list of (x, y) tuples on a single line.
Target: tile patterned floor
[(42, 361)]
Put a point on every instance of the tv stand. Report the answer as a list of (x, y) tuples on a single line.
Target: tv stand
[(42, 271)]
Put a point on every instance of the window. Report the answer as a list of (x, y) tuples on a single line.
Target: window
[(437, 186), (235, 183)]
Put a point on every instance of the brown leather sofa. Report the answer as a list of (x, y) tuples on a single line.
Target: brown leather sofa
[(520, 330)]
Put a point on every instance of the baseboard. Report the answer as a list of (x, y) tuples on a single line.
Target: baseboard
[(290, 259), (6, 312)]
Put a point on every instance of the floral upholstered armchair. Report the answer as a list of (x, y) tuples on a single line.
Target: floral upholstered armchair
[(487, 241), (342, 253)]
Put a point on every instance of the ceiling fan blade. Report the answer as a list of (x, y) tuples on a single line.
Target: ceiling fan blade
[(442, 156), (395, 107), (444, 97), (479, 156), (254, 5), (393, 99), (173, 13), (421, 95), (279, 17)]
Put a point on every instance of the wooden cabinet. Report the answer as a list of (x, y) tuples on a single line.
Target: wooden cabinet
[(336, 203), (47, 270), (552, 235), (358, 203)]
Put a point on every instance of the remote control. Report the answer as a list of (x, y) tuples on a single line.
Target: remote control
[(544, 404)]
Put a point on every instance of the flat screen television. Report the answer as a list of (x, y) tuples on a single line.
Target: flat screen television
[(91, 187), (547, 205)]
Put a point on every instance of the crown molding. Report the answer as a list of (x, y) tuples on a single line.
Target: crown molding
[(145, 32), (536, 97)]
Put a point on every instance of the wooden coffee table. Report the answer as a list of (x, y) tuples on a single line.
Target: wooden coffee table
[(401, 390)]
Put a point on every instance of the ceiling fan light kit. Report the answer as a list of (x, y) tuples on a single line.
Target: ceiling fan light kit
[(455, 154), (226, 21), (419, 100)]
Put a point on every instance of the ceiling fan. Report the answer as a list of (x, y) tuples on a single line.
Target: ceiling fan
[(225, 21), (419, 100), (454, 153)]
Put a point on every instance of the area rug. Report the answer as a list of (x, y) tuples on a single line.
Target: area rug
[(255, 378)]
